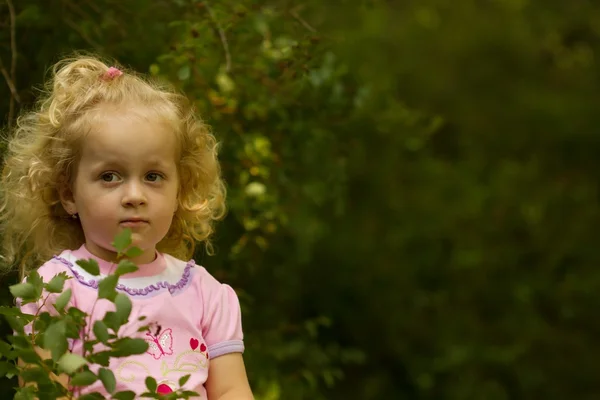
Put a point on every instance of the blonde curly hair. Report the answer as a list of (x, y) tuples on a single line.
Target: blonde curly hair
[(43, 151)]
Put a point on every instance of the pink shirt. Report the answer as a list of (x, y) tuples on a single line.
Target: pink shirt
[(193, 318)]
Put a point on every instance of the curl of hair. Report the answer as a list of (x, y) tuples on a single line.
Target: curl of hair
[(44, 147)]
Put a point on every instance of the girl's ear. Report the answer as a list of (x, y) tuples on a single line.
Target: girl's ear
[(66, 198)]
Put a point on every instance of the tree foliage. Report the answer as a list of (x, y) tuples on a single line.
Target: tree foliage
[(412, 190)]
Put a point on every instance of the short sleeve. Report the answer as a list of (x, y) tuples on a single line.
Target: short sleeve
[(47, 272), (221, 319)]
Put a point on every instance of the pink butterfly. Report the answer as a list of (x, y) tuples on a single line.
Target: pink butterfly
[(161, 344)]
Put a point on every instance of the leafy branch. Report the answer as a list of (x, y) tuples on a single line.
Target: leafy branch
[(294, 12), (221, 36), (52, 329)]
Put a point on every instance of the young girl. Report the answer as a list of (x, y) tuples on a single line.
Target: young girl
[(107, 150)]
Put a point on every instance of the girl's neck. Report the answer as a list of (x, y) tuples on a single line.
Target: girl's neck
[(106, 267)]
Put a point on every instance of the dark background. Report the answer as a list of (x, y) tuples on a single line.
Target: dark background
[(413, 185)]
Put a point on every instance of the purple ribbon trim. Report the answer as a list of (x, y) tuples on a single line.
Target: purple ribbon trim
[(131, 291)]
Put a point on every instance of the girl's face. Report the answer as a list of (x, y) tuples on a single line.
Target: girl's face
[(126, 178)]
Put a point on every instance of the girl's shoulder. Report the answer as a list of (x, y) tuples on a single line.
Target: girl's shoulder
[(199, 278), (54, 266), (216, 297)]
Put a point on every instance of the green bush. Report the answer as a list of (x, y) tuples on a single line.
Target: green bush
[(412, 185)]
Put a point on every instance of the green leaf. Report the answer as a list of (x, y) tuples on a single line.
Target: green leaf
[(134, 252), (149, 395), (90, 266), (154, 69), (92, 396), (122, 240), (101, 331), (23, 290), (49, 390), (7, 368), (17, 324), (62, 300), (123, 305), (57, 283), (151, 384), (112, 321), (20, 342), (30, 356), (12, 356), (184, 73), (125, 267), (25, 393), (126, 395), (189, 393), (36, 280), (106, 287), (88, 345), (37, 374), (125, 347), (55, 339), (108, 379), (5, 348), (78, 316), (102, 358), (42, 322), (183, 380), (14, 311), (70, 362), (83, 378)]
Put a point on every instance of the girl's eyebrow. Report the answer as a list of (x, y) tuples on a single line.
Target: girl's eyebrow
[(118, 161)]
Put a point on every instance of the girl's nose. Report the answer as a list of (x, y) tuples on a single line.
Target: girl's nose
[(134, 195)]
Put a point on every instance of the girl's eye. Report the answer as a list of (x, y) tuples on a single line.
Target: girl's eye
[(109, 177), (153, 177)]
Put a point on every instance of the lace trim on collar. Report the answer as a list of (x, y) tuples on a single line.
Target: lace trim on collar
[(155, 287)]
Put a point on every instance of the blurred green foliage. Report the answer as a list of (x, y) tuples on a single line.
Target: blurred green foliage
[(412, 185)]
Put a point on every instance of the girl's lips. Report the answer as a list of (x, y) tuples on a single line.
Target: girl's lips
[(133, 222)]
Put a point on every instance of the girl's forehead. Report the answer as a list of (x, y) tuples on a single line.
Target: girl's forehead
[(124, 135)]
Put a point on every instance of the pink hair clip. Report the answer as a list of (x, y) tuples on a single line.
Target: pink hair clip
[(112, 73)]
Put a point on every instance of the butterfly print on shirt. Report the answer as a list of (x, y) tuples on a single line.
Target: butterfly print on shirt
[(160, 344)]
